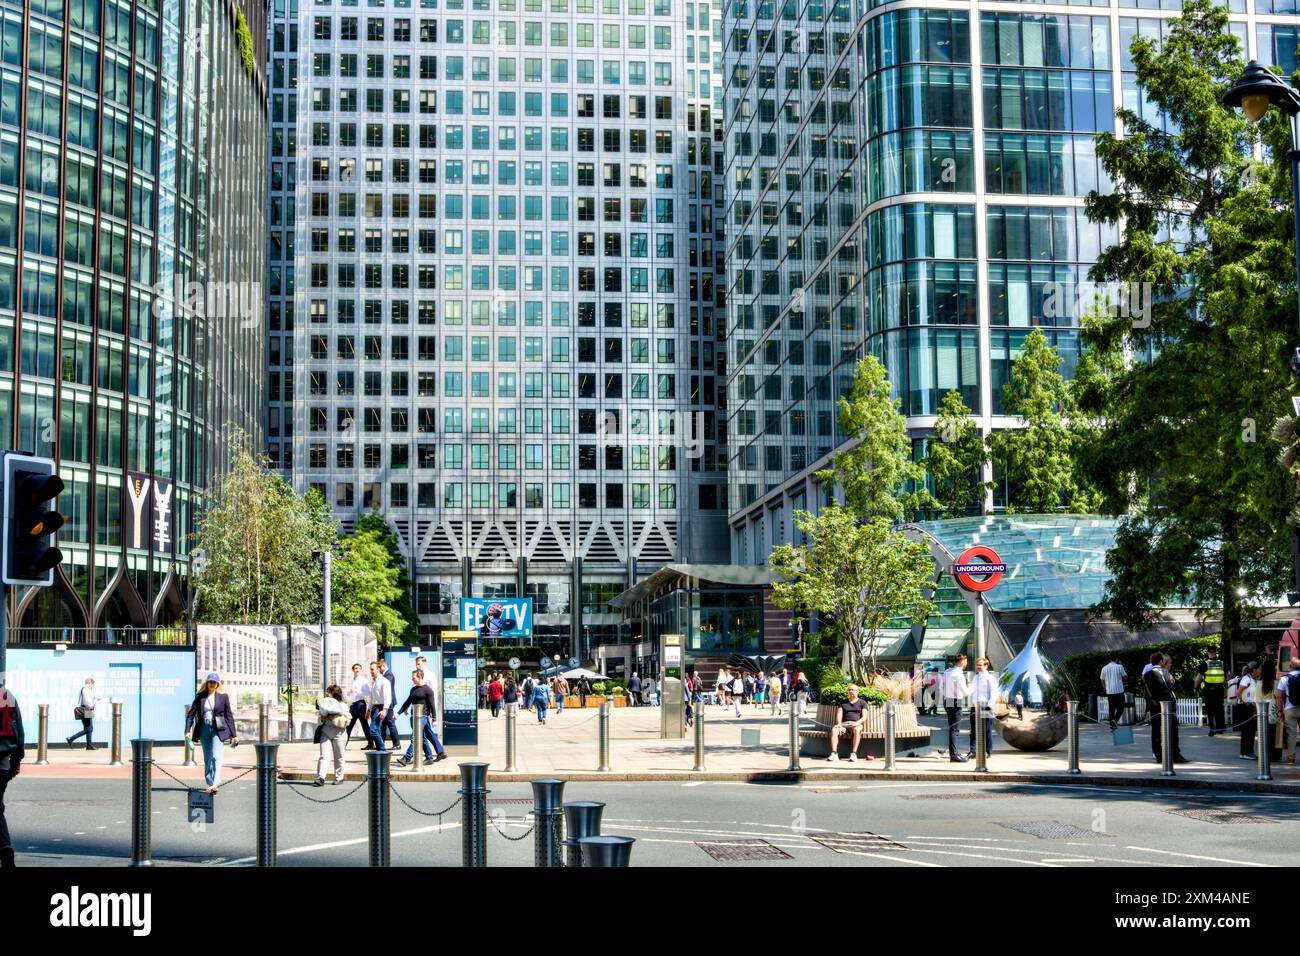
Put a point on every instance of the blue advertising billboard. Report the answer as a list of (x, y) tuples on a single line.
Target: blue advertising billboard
[(493, 618), (153, 685)]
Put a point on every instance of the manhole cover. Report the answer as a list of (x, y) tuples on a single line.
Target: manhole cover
[(734, 851), (1219, 815), (856, 842), (973, 795), (1047, 829)]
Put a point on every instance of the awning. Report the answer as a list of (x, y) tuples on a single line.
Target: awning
[(739, 575)]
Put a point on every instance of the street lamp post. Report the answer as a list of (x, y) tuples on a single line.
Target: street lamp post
[(1257, 89)]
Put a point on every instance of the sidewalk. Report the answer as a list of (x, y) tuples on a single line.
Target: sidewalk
[(567, 748)]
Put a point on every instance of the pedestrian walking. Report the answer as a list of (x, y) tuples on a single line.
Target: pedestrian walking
[(801, 690), (654, 691), (510, 693), (211, 724), (358, 698), (85, 712), (1211, 679), (723, 687), (390, 722), (584, 688), (749, 688), (526, 691), (381, 705), (1243, 714), (332, 716), (482, 694), (955, 693), (774, 693), (984, 697), (561, 689), (1159, 683), (737, 692), (421, 692), (634, 690), (1112, 682), (11, 758), (496, 693), (1288, 705), (541, 696), (760, 688)]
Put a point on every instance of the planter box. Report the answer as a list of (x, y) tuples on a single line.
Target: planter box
[(909, 735)]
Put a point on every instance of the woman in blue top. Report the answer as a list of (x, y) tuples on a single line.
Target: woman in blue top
[(541, 698)]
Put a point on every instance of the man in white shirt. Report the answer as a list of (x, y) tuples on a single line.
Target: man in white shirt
[(984, 696), (955, 693), (1112, 682), (1288, 704), (357, 697), (381, 704)]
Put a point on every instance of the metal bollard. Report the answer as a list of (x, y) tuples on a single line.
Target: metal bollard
[(606, 850), (141, 802), (43, 735), (1072, 737), (548, 822), (603, 724), (263, 721), (794, 736), (510, 738), (115, 757), (981, 745), (417, 737), (1262, 743), (699, 739), (890, 743), (581, 819), (1166, 738), (266, 782), (473, 820), (380, 835), (189, 742)]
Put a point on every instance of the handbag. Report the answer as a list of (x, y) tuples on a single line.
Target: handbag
[(80, 713)]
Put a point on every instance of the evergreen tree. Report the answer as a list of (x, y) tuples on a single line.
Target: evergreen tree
[(955, 456)]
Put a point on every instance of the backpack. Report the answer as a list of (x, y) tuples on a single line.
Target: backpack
[(801, 685), (1293, 689)]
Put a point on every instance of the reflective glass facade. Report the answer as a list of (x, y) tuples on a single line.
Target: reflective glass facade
[(909, 179), (132, 196), (507, 316)]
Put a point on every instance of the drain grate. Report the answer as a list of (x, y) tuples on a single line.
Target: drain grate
[(737, 851), (1219, 815), (1048, 829), (969, 795), (856, 842)]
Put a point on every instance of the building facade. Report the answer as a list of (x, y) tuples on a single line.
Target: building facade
[(508, 321), (132, 190), (909, 179), (282, 76)]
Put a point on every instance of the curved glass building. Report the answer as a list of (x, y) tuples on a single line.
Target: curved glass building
[(132, 245), (909, 178)]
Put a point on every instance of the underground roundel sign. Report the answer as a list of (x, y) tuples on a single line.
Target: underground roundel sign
[(978, 568)]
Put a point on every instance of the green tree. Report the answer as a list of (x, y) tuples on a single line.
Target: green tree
[(1037, 459), (374, 521), (955, 456), (1177, 452), (365, 589), (862, 573), (877, 472), (255, 541)]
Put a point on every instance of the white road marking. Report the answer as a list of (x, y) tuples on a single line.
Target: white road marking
[(697, 783), (80, 833), (339, 843), (1193, 856), (1069, 859), (895, 859)]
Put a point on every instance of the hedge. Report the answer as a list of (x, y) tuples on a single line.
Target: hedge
[(1084, 670)]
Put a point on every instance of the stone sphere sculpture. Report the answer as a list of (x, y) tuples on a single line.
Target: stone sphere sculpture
[(1041, 685)]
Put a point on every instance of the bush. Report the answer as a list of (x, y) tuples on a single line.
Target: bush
[(598, 687), (837, 693), (1084, 670)]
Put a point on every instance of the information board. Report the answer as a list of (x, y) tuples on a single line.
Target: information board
[(460, 690)]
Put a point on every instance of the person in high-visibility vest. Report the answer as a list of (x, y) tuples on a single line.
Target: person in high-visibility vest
[(1211, 678)]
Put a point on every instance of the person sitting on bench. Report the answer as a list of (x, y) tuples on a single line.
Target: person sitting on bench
[(851, 718)]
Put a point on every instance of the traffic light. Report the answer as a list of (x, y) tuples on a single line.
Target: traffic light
[(30, 487)]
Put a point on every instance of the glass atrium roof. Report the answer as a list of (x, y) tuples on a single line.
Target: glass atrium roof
[(1053, 561)]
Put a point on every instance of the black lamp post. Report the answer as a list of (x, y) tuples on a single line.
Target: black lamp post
[(1257, 90)]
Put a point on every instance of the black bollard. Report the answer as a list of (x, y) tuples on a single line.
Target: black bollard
[(548, 822), (473, 794), (141, 802), (266, 826), (380, 836), (581, 819), (606, 850)]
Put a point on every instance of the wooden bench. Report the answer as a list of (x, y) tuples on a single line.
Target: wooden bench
[(909, 735)]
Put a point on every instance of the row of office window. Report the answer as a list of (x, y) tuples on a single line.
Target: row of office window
[(507, 495)]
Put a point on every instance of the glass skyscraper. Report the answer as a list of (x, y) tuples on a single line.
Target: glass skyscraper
[(132, 196), (909, 179), (507, 327)]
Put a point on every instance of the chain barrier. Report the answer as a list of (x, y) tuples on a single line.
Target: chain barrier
[(1147, 720), (163, 770), (301, 791), (506, 836), (426, 813)]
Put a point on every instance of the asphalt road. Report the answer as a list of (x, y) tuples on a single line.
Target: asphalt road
[(87, 823)]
